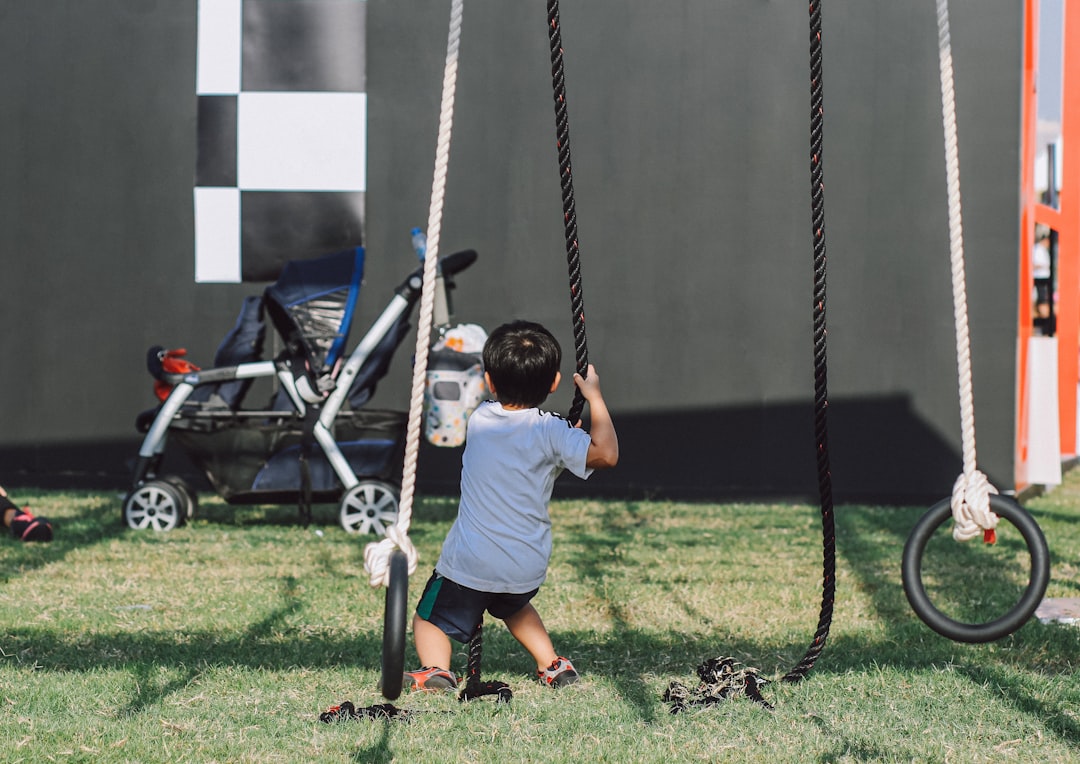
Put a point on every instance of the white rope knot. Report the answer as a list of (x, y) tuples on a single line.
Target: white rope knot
[(377, 555), (971, 506)]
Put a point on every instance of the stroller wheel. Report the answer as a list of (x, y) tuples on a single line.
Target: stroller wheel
[(188, 494), (370, 506), (156, 505)]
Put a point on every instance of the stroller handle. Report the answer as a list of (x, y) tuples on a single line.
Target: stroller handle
[(448, 266), (457, 262)]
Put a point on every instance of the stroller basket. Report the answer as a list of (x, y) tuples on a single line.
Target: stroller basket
[(249, 459)]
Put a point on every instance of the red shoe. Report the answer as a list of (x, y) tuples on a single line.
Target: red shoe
[(430, 678), (559, 674), (26, 527)]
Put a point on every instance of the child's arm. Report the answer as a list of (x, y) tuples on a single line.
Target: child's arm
[(604, 449)]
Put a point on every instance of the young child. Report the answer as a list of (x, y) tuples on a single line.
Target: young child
[(24, 526), (496, 554)]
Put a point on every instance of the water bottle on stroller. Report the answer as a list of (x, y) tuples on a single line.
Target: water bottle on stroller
[(455, 384)]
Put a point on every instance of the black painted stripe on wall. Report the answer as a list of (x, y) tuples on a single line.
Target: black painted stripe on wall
[(216, 164), (278, 226), (304, 45)]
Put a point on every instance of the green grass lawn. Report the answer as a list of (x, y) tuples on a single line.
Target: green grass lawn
[(222, 641)]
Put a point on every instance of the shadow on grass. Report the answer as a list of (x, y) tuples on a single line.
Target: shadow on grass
[(1019, 694), (633, 660), (150, 692), (378, 752), (636, 660)]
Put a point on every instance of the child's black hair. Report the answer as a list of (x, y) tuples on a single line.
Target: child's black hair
[(522, 358)]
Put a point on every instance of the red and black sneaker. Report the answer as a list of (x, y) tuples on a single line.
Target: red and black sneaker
[(559, 674), (430, 678), (26, 527)]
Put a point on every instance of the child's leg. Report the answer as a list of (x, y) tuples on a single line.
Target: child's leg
[(7, 508), (528, 629), (432, 645)]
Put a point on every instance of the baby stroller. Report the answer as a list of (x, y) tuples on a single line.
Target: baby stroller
[(314, 442)]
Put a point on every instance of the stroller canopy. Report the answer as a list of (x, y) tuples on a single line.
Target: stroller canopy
[(312, 304)]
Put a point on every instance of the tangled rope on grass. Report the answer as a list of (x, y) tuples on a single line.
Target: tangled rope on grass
[(472, 689), (721, 678), (346, 710)]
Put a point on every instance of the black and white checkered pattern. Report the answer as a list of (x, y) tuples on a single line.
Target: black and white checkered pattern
[(282, 134)]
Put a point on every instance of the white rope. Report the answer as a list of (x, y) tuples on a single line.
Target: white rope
[(377, 555), (971, 492)]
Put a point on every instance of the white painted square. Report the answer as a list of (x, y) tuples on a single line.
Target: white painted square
[(302, 141), (1044, 429), (220, 25), (217, 235)]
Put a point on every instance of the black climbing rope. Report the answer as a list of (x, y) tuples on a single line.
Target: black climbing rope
[(577, 298), (573, 254), (720, 677), (821, 398), (474, 687)]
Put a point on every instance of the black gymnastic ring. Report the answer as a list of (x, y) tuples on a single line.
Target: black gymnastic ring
[(393, 647), (958, 631)]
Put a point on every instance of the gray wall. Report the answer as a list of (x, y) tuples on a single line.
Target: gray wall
[(689, 131)]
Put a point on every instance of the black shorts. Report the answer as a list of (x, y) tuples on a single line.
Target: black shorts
[(458, 610)]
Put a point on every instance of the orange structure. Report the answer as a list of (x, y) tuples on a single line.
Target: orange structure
[(1065, 220)]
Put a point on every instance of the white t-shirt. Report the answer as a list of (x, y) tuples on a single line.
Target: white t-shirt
[(1040, 260), (501, 539)]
